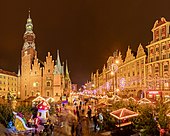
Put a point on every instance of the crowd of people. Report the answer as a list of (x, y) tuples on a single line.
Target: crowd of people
[(86, 109)]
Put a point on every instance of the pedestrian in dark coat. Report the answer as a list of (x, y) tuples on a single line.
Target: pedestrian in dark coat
[(78, 114), (95, 122), (72, 129), (79, 129), (89, 113)]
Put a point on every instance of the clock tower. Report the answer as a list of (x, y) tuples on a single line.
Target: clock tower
[(28, 54)]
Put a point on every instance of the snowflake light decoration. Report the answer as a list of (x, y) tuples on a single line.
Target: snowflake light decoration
[(122, 83)]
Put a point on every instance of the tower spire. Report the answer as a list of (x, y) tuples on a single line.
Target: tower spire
[(29, 12), (58, 67), (67, 73), (29, 36), (29, 25), (58, 59)]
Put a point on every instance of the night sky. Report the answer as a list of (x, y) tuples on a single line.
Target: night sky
[(85, 31)]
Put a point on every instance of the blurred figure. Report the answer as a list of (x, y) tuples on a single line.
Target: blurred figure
[(79, 129), (77, 112), (89, 113), (95, 122), (72, 128)]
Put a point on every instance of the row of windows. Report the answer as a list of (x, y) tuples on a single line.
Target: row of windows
[(13, 84), (38, 93), (48, 83), (36, 71), (158, 48), (165, 56), (12, 89), (4, 77), (165, 68)]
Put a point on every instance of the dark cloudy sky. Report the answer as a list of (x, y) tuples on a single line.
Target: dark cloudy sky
[(85, 31)]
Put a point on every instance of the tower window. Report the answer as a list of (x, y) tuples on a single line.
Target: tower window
[(48, 94), (48, 70), (48, 83)]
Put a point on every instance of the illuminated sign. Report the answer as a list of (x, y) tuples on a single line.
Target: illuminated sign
[(154, 92)]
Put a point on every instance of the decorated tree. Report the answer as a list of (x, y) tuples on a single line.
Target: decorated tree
[(6, 114), (161, 111), (146, 120), (26, 110)]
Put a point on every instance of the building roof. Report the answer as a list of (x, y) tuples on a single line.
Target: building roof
[(7, 73), (123, 113)]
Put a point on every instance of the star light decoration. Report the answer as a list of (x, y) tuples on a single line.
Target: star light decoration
[(122, 83)]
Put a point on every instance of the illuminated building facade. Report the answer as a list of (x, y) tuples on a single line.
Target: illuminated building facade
[(8, 83), (158, 68), (37, 77), (144, 73)]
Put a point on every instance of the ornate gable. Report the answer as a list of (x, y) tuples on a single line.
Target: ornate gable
[(36, 70), (49, 64), (140, 51), (159, 22), (129, 55), (120, 58)]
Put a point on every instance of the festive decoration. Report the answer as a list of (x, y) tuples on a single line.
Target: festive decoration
[(43, 106), (43, 111), (122, 115), (122, 83), (20, 123), (39, 98), (144, 100), (114, 68)]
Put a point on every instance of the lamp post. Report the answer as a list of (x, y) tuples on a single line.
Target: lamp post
[(114, 77)]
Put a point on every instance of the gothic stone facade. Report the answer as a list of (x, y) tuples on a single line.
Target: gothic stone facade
[(40, 78)]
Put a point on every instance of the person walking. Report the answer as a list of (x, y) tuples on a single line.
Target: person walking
[(79, 129), (78, 114), (95, 122), (72, 129), (89, 113)]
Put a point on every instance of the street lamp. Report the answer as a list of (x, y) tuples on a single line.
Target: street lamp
[(114, 78)]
